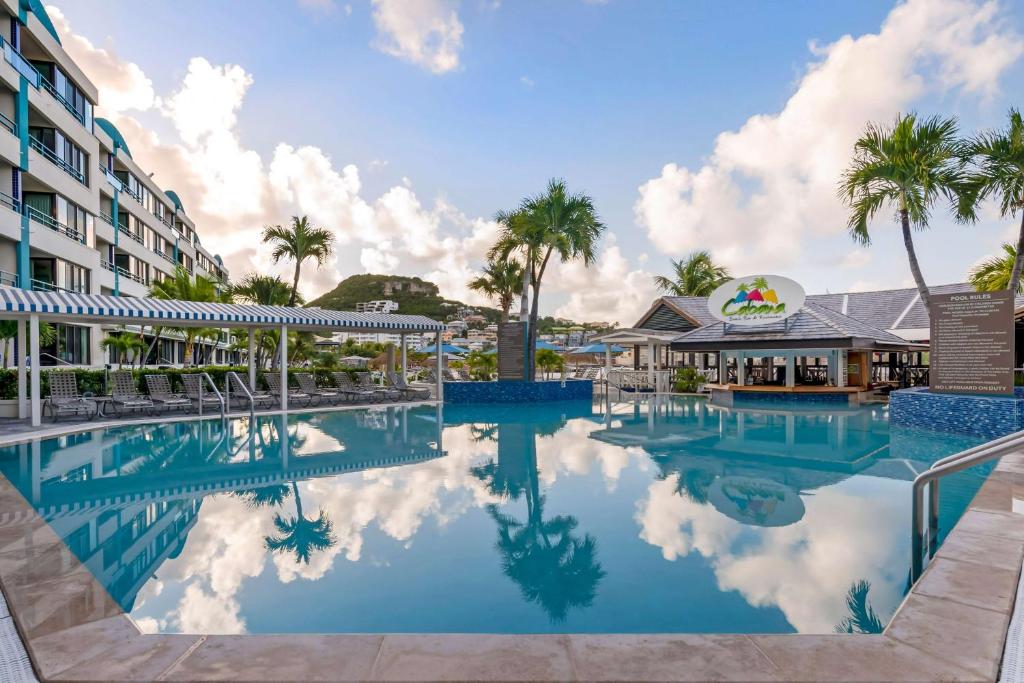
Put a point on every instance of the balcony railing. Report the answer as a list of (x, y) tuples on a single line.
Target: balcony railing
[(9, 125), (48, 87), (20, 64), (52, 223), (52, 157), (44, 286), (131, 193), (111, 178), (8, 279), (10, 202), (123, 272)]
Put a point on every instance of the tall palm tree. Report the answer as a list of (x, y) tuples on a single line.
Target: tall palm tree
[(999, 160), (906, 168), (182, 286), (554, 223), (994, 274), (502, 280), (299, 242), (696, 275), (9, 330), (124, 346)]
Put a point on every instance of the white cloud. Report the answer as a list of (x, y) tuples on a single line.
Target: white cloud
[(427, 33), (526, 81), (122, 85), (325, 6), (769, 185), (609, 290)]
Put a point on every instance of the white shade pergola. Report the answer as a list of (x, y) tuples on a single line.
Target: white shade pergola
[(67, 307)]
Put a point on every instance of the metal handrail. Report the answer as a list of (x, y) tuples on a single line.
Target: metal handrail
[(50, 88), (931, 477), (51, 156), (59, 360), (206, 377), (53, 224), (227, 390)]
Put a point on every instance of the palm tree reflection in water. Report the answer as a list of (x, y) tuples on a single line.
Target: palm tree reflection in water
[(552, 567)]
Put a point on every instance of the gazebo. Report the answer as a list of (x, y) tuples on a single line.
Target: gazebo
[(29, 308)]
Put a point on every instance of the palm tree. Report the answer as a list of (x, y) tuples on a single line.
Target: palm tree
[(124, 345), (555, 223), (994, 274), (696, 275), (9, 330), (182, 286), (502, 280), (299, 242), (906, 168), (999, 160), (301, 535), (264, 290)]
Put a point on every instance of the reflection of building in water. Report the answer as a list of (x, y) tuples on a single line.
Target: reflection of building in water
[(124, 500), (752, 464)]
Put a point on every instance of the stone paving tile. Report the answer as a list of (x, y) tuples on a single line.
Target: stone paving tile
[(854, 658), (146, 658), (280, 658), (996, 496), (971, 636), (989, 523), (66, 648), (969, 583), (1002, 553), (669, 658), (423, 657)]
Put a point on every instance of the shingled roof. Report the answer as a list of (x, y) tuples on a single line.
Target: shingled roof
[(814, 325)]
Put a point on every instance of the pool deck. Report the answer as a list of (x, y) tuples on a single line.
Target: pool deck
[(952, 625)]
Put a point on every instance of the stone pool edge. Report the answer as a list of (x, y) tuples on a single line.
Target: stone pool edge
[(951, 626)]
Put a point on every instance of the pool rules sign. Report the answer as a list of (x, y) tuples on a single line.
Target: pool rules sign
[(972, 343)]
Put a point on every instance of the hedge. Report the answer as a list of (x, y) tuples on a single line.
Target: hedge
[(93, 381)]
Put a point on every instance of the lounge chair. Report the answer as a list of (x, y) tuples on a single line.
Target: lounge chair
[(64, 398), (344, 384), (126, 397), (407, 392), (159, 388), (366, 382), (240, 391), (194, 389), (307, 384), (273, 381)]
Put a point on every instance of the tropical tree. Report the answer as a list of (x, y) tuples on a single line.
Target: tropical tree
[(549, 361), (696, 275), (299, 242), (994, 273), (124, 345), (998, 157), (554, 223), (482, 366), (9, 331), (182, 286), (502, 280), (906, 168), (263, 290)]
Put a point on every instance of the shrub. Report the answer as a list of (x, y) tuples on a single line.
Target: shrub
[(688, 381)]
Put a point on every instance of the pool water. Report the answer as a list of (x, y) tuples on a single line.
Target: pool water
[(660, 515)]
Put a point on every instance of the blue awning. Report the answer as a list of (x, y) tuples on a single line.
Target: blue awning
[(594, 348)]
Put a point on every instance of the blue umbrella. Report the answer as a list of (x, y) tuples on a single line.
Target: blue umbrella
[(445, 348), (595, 348)]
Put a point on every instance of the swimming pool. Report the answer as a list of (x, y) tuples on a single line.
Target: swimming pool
[(660, 515)]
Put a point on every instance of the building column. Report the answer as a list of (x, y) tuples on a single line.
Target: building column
[(607, 360), (650, 364), (723, 367), (790, 370), (439, 370), (405, 360), (284, 367), (37, 404), (252, 358), (741, 368), (22, 353)]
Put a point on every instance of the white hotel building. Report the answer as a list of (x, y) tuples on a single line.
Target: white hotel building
[(76, 211)]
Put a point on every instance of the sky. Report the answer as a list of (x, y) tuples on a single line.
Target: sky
[(404, 125)]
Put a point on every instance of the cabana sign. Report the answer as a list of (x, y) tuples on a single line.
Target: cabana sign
[(756, 300)]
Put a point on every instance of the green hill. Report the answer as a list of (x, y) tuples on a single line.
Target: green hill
[(414, 296)]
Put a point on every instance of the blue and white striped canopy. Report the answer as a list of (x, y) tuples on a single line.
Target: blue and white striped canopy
[(95, 308)]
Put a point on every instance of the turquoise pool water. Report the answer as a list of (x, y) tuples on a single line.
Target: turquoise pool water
[(664, 515)]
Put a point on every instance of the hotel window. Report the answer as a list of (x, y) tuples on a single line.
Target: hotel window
[(71, 346), (67, 89), (76, 218)]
